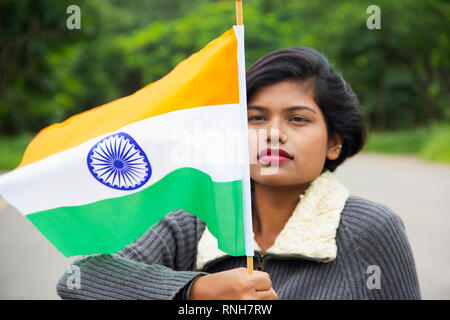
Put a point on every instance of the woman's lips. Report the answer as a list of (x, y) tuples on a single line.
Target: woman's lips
[(274, 155), (273, 158)]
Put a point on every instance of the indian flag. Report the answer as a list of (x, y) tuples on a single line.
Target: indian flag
[(99, 180)]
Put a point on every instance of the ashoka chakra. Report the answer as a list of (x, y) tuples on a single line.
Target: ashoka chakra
[(119, 162)]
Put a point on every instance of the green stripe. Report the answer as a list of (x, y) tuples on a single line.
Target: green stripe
[(109, 225)]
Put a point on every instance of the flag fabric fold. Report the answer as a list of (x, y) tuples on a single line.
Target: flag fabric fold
[(99, 180)]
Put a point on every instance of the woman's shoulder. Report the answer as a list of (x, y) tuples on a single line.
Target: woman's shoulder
[(368, 216), (373, 231), (371, 234)]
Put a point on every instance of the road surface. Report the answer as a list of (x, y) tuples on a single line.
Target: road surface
[(418, 191)]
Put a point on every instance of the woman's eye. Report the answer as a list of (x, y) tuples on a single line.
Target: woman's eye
[(256, 118), (299, 119)]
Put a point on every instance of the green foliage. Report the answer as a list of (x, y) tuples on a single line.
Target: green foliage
[(438, 146), (12, 150), (398, 142), (400, 72), (430, 143)]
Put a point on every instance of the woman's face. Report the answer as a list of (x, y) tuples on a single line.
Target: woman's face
[(289, 107)]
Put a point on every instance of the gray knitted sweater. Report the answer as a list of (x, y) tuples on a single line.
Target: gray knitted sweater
[(373, 261)]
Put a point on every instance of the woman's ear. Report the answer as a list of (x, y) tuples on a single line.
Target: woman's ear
[(334, 147)]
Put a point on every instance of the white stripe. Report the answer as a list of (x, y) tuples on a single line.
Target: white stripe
[(248, 225), (64, 179)]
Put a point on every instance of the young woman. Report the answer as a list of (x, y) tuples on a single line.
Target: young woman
[(312, 239)]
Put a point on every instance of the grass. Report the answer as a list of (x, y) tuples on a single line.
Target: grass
[(429, 143), (438, 148)]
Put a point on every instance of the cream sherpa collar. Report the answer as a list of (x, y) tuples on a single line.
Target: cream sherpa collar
[(309, 233)]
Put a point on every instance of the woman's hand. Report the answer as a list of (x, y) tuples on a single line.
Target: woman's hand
[(234, 284)]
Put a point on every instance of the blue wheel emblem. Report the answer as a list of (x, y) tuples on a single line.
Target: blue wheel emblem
[(117, 161)]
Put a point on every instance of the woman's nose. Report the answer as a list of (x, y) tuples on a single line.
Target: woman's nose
[(274, 133)]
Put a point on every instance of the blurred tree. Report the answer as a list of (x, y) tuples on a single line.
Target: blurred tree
[(30, 31), (400, 73)]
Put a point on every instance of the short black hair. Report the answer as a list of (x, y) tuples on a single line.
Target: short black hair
[(334, 96)]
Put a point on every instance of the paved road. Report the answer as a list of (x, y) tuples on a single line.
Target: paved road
[(419, 192), (416, 190), (29, 265)]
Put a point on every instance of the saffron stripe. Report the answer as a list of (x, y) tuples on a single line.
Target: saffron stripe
[(208, 77)]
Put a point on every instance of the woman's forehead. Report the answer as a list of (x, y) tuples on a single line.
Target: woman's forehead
[(285, 96)]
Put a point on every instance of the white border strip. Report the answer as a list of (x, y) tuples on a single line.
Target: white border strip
[(248, 225)]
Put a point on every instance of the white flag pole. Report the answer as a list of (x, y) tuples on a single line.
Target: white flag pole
[(246, 189)]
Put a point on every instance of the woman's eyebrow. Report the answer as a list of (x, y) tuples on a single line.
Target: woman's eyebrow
[(294, 108), (256, 108)]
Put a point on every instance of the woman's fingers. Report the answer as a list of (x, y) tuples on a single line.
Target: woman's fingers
[(233, 284), (262, 280), (266, 295)]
